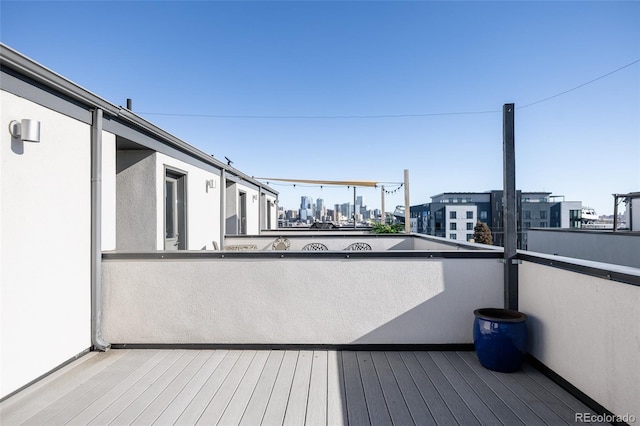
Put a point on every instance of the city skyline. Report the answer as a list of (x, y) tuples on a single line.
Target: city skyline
[(390, 208), (365, 90)]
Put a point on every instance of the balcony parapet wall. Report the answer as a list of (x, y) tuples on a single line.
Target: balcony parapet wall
[(295, 297), (584, 324)]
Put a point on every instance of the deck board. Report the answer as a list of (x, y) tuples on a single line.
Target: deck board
[(248, 387), (94, 409), (420, 413), (236, 408), (378, 411), (497, 406), (169, 393), (154, 389), (67, 406), (357, 413), (298, 397), (218, 405), (317, 402), (519, 407), (24, 404), (477, 405), (277, 407), (112, 410), (549, 399), (394, 400), (173, 411), (196, 407), (553, 388), (336, 398), (257, 405), (547, 415)]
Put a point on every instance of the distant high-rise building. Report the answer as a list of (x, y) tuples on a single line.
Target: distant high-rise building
[(306, 208), (321, 210), (346, 210), (453, 215)]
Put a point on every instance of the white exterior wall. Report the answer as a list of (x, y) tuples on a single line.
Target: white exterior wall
[(633, 218), (136, 203), (333, 242), (253, 208), (203, 204), (45, 236), (587, 330), (108, 191), (297, 301), (460, 220), (617, 248)]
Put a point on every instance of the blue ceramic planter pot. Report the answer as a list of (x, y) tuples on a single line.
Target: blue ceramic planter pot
[(500, 338)]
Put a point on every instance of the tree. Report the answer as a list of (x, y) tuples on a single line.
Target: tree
[(482, 234)]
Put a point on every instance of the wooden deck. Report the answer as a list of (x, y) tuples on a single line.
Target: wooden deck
[(246, 387)]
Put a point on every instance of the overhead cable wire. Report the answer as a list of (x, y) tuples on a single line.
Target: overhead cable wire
[(579, 86), (382, 116), (313, 117)]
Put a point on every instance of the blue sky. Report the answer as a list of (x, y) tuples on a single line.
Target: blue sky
[(275, 87)]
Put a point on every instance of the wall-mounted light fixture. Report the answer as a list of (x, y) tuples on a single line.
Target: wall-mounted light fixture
[(26, 130), (209, 184), (254, 198)]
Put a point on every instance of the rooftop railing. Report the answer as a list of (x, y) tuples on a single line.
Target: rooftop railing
[(584, 320)]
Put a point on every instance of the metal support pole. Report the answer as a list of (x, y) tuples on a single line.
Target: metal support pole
[(615, 212), (407, 208), (509, 209), (354, 207), (96, 232), (223, 207), (383, 218)]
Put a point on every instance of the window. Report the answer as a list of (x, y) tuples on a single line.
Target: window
[(543, 214), (483, 215), (469, 226), (452, 226), (527, 214), (470, 214), (452, 215), (439, 214), (469, 237), (453, 237), (543, 224), (526, 225)]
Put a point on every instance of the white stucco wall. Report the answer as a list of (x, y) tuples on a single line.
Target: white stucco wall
[(618, 248), (44, 243), (633, 218), (108, 191), (136, 203), (203, 204), (297, 301), (587, 330), (333, 242)]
